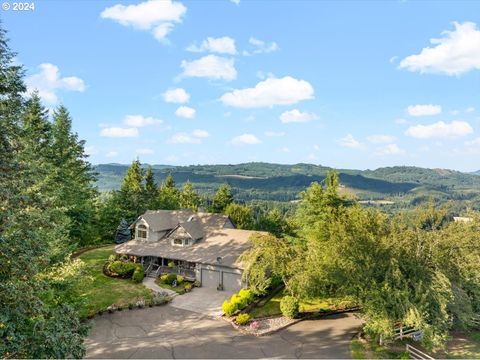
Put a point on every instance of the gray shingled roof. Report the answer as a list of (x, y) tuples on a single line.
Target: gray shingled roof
[(194, 229)]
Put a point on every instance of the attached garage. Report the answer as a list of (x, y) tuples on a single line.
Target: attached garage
[(232, 282), (210, 278)]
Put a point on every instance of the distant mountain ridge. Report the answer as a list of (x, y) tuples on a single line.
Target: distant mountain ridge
[(280, 182)]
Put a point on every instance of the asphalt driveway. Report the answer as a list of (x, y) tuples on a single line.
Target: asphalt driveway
[(170, 332)]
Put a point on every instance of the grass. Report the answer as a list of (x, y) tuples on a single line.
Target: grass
[(362, 349), (272, 307), (98, 291), (464, 345)]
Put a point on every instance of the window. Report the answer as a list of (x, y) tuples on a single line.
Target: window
[(177, 242), (142, 232), (186, 242)]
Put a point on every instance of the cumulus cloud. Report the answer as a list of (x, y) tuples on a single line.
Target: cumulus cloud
[(390, 149), (350, 142), (296, 116), (381, 139), (140, 120), (144, 151), (48, 82), (178, 96), (424, 110), (270, 92), (118, 132), (457, 52), (261, 47), (440, 130), (210, 66), (245, 139), (474, 142), (194, 138), (156, 16), (185, 112), (221, 45), (274, 133)]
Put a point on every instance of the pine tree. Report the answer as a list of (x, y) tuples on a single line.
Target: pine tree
[(240, 215), (189, 198), (151, 189), (223, 197), (168, 197), (132, 192)]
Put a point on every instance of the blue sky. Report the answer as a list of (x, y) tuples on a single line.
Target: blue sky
[(342, 84)]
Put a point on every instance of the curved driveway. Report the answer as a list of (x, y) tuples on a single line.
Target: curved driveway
[(169, 332)]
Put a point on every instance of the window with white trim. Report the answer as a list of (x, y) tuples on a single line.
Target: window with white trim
[(142, 232)]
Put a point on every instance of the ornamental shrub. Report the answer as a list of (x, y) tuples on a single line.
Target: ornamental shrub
[(163, 278), (180, 279), (171, 278), (289, 306), (242, 319), (228, 308), (188, 287), (171, 264), (238, 301), (138, 274), (123, 269), (247, 295)]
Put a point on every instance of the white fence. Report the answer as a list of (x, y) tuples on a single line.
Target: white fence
[(414, 353)]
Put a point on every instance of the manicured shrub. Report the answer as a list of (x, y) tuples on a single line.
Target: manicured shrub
[(138, 274), (164, 278), (197, 283), (289, 306), (188, 287), (242, 319), (171, 264), (123, 269), (171, 278), (180, 279), (228, 308), (238, 301), (246, 294)]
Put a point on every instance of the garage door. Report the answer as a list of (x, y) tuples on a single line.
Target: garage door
[(232, 282), (210, 278)]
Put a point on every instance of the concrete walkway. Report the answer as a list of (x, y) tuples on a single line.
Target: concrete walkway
[(149, 283), (203, 301), (169, 332)]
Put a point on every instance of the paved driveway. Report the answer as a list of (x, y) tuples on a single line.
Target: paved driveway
[(202, 300), (170, 332)]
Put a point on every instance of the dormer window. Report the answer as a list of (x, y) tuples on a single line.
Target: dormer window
[(142, 232), (177, 242)]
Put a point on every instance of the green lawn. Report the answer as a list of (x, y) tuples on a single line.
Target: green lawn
[(361, 349), (272, 307), (99, 291)]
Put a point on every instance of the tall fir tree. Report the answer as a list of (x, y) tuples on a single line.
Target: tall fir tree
[(189, 198), (168, 197), (151, 189), (223, 197), (132, 192)]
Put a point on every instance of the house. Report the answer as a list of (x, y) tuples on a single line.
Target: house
[(203, 246)]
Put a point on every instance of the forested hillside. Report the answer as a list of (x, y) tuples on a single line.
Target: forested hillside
[(405, 186)]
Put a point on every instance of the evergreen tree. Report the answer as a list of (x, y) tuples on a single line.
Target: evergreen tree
[(189, 198), (74, 177), (223, 197), (132, 192), (151, 189), (169, 196), (240, 215)]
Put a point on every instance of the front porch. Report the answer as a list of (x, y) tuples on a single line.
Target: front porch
[(155, 266)]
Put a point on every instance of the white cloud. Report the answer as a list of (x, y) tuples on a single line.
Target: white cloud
[(200, 133), (156, 16), (140, 120), (474, 142), (270, 92), (296, 116), (185, 112), (245, 139), (91, 150), (440, 130), (178, 96), (236, 2), (350, 142), (390, 149), (111, 154), (193, 138), (381, 139), (284, 149), (274, 133), (118, 132), (145, 151), (457, 52), (221, 45), (261, 47), (470, 109), (424, 110), (210, 66), (48, 81), (401, 121)]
